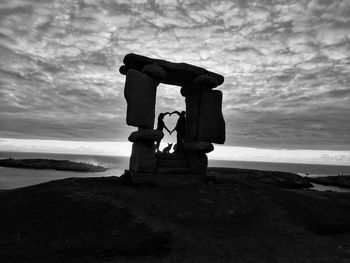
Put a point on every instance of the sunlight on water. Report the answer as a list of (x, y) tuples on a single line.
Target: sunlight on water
[(320, 187)]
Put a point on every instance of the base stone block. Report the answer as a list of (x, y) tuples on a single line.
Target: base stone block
[(198, 162), (211, 123), (140, 94), (143, 158)]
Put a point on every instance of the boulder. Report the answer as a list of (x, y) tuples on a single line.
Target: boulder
[(146, 135), (211, 123), (198, 147), (154, 71), (143, 158), (198, 162), (193, 102), (199, 83), (177, 73), (123, 69), (140, 94)]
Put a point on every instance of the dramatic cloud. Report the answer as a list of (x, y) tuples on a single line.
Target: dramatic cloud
[(286, 66)]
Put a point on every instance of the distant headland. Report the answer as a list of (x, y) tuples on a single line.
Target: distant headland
[(59, 165)]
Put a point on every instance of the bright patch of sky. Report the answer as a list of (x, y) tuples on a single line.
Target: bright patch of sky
[(229, 153), (286, 65)]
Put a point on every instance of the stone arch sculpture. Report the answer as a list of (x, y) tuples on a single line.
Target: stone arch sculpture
[(204, 120)]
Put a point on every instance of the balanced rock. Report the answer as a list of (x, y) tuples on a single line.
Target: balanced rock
[(200, 82), (140, 94), (193, 102), (154, 71), (211, 123), (123, 69), (146, 135), (143, 158), (177, 73), (198, 147)]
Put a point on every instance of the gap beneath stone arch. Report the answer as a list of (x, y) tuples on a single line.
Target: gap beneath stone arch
[(168, 99)]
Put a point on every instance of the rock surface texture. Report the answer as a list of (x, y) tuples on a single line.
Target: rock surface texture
[(211, 121), (205, 147), (140, 94), (193, 102), (204, 120), (199, 83), (155, 71), (177, 73), (143, 158), (198, 162), (146, 135)]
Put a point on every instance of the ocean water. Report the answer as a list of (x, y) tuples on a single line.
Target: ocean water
[(15, 177), (310, 170), (18, 177)]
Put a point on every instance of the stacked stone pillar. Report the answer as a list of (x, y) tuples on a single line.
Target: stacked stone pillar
[(204, 120), (140, 94)]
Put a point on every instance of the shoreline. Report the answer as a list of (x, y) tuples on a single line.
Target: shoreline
[(342, 181), (301, 169), (83, 167), (51, 164)]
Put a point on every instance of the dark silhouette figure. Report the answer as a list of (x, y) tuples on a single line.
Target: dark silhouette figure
[(180, 127), (167, 148), (161, 126)]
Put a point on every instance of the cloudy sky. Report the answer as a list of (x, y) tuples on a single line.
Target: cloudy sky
[(286, 65)]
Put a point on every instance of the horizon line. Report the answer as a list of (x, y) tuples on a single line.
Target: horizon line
[(221, 152)]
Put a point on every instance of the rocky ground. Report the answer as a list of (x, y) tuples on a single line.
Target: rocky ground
[(231, 215)]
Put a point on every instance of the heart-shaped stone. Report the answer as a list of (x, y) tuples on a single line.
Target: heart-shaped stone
[(170, 121)]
